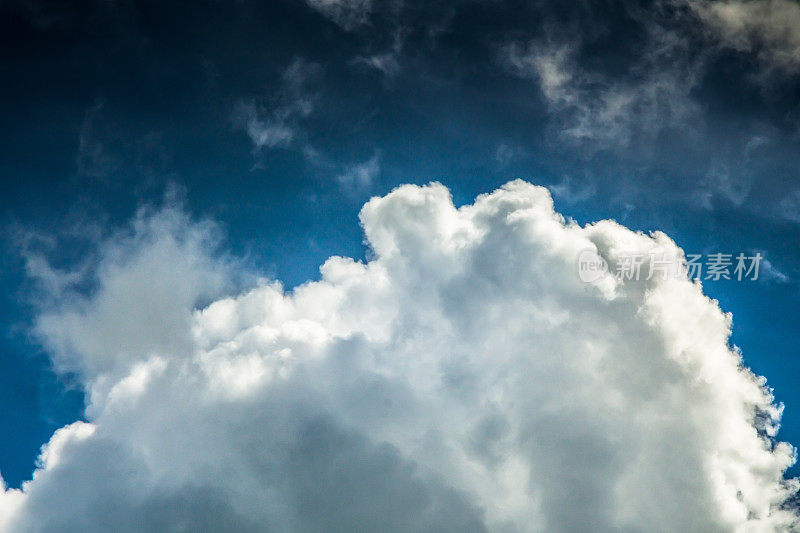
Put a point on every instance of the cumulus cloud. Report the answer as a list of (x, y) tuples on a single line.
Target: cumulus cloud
[(463, 379), (769, 28), (136, 293)]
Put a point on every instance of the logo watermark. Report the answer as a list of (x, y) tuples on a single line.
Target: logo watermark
[(637, 266), (591, 266)]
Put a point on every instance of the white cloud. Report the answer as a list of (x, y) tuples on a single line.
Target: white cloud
[(505, 153), (464, 379), (361, 175), (265, 132), (769, 272), (572, 189), (726, 180), (144, 283), (597, 111), (770, 28), (275, 124), (346, 13), (386, 62)]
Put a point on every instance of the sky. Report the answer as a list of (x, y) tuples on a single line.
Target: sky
[(311, 265)]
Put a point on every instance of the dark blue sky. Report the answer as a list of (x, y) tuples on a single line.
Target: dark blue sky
[(279, 120)]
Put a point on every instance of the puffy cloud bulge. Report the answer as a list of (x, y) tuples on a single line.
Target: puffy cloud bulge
[(463, 379)]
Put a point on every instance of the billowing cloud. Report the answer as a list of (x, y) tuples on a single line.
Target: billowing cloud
[(463, 379), (145, 283)]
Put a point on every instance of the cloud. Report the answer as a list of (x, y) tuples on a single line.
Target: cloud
[(265, 132), (162, 262), (598, 110), (274, 124), (346, 13), (463, 379), (94, 159), (111, 154), (731, 176), (572, 189), (34, 249), (505, 153), (386, 62), (789, 206), (768, 28), (769, 272), (361, 175)]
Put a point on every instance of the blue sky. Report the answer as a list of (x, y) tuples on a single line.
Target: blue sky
[(279, 120)]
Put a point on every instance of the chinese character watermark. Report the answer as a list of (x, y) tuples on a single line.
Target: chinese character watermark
[(715, 266)]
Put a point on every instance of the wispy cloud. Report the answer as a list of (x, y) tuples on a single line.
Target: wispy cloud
[(360, 176), (94, 158), (346, 13), (769, 272), (109, 153), (789, 206), (596, 110), (768, 28), (274, 122), (271, 131), (387, 62)]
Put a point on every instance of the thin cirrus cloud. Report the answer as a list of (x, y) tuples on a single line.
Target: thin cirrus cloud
[(346, 13), (651, 101), (768, 28), (361, 175), (598, 111), (463, 379), (274, 122)]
